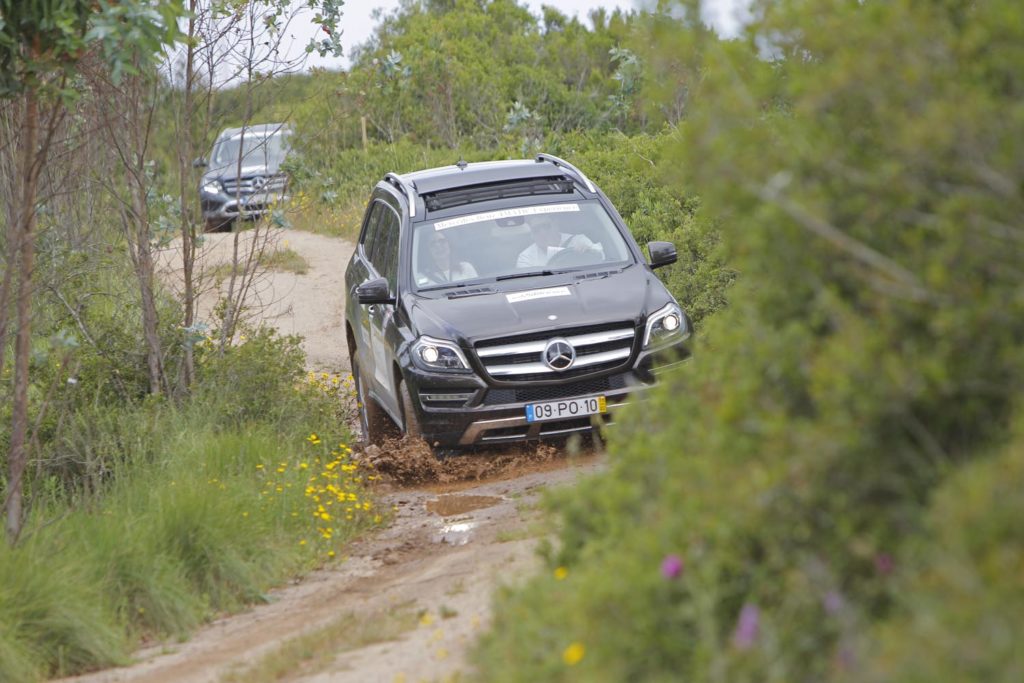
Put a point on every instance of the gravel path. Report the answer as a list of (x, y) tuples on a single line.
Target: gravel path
[(310, 304)]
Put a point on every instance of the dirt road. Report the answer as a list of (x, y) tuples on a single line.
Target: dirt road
[(406, 603), (311, 304)]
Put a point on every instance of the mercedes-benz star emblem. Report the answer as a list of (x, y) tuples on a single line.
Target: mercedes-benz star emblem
[(559, 355), (259, 181)]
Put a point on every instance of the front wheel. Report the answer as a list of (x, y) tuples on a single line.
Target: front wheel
[(412, 421), (373, 421)]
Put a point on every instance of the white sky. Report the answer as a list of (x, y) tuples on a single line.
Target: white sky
[(357, 21)]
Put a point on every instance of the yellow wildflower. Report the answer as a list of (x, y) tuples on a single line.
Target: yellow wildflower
[(573, 654)]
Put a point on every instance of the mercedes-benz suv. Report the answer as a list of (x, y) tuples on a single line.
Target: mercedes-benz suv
[(243, 176), (502, 301)]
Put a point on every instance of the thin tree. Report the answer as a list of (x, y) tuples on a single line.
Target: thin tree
[(225, 46), (40, 46)]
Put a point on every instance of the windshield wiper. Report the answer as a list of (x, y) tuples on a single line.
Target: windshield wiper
[(532, 273), (450, 285)]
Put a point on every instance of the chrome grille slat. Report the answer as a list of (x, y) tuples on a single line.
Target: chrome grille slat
[(520, 360), (581, 361), (247, 186), (538, 346)]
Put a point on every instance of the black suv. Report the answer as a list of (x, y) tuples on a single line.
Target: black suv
[(243, 176), (502, 301)]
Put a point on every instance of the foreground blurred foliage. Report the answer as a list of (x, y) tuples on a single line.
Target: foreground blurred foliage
[(826, 493)]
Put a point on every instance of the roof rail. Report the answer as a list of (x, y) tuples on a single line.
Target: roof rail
[(569, 167), (408, 189)]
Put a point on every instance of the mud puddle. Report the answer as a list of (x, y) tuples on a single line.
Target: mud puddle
[(449, 505), (458, 533)]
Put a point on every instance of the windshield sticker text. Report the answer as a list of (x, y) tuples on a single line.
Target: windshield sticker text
[(505, 213), (537, 294)]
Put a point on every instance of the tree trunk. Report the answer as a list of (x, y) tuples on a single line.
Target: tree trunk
[(11, 190), (186, 149), (142, 256), (142, 259), (18, 454)]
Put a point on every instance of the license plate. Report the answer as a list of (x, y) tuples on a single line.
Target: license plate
[(558, 410), (260, 200)]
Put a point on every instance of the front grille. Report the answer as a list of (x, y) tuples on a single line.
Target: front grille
[(274, 183), (587, 387), (521, 358)]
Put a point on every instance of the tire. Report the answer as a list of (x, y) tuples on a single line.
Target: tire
[(373, 421), (409, 416), (217, 225)]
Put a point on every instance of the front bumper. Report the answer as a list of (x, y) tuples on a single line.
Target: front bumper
[(463, 410), (225, 209)]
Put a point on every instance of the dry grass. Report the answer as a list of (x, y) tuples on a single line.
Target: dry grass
[(314, 652), (281, 260)]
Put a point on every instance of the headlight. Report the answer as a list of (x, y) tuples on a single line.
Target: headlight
[(212, 188), (666, 326), (437, 354)]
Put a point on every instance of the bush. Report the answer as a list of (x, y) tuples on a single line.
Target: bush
[(252, 380), (960, 596), (869, 358)]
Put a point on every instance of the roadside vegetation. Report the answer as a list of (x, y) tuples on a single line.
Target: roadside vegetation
[(825, 492), (830, 490)]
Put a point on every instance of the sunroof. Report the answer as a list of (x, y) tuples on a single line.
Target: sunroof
[(472, 194)]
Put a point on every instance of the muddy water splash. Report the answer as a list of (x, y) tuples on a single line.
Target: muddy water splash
[(411, 462)]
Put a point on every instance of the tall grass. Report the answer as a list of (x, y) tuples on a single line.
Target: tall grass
[(202, 511)]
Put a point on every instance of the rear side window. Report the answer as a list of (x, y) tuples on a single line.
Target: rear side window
[(372, 224), (384, 254)]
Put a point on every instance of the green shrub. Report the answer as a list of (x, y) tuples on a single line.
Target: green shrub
[(252, 380), (870, 356), (959, 608)]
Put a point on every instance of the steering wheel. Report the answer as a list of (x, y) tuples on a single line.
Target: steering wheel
[(569, 257)]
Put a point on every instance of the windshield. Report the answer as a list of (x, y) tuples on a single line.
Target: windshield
[(259, 150), (511, 242)]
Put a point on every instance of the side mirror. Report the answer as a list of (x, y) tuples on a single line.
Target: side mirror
[(374, 292), (199, 162), (662, 253)]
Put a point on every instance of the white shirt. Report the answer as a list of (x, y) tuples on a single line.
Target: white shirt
[(534, 256)]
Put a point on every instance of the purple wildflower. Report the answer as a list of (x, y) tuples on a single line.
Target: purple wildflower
[(748, 626), (672, 566), (884, 564), (833, 602)]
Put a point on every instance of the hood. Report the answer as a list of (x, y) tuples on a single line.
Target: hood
[(537, 304), (228, 172)]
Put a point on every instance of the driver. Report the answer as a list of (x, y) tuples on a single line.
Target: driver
[(441, 266), (548, 241)]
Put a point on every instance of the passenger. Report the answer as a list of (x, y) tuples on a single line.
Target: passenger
[(440, 267), (548, 240)]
